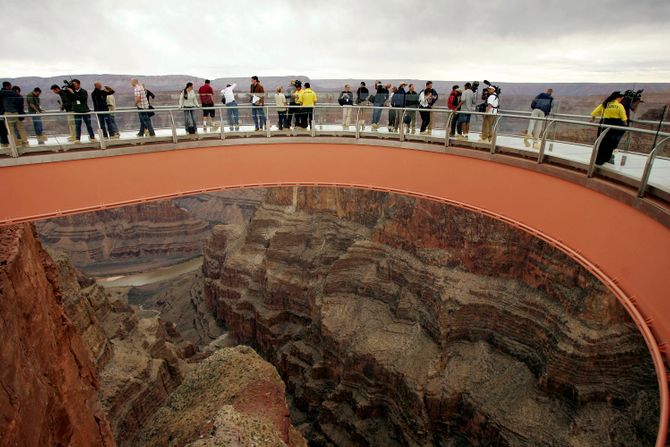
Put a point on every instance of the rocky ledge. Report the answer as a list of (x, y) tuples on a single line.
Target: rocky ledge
[(404, 322)]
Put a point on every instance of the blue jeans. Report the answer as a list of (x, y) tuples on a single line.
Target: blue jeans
[(108, 125), (377, 114), (189, 118), (145, 123), (37, 124), (77, 125), (258, 114), (233, 114)]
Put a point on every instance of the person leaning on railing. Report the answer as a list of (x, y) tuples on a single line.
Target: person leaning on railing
[(34, 108), (613, 113), (65, 102), (142, 104), (228, 98), (541, 107)]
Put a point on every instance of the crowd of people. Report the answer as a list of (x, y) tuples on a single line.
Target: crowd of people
[(294, 107)]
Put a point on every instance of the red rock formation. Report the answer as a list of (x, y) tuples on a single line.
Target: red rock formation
[(49, 386), (398, 321)]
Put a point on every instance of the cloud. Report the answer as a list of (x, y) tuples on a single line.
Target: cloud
[(512, 40)]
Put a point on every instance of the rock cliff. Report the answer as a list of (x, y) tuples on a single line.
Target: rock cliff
[(233, 398), (122, 240), (49, 385), (404, 322), (138, 367)]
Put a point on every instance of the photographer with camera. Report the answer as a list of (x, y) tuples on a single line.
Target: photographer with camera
[(79, 98), (492, 105), (65, 102)]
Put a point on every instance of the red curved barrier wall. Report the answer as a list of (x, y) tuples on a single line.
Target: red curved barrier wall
[(626, 249)]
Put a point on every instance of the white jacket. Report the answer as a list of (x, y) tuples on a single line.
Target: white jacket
[(191, 99)]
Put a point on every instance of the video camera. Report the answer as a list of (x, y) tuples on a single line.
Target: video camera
[(485, 92), (67, 84), (295, 83), (633, 95)]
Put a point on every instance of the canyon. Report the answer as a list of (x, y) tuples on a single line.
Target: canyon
[(399, 321), (326, 316)]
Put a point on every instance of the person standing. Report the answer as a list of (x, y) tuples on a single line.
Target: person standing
[(65, 102), (362, 94), (411, 102), (613, 113), (257, 102), (492, 104), (14, 107), (228, 95), (80, 108), (381, 96), (294, 110), (206, 94), (346, 100), (280, 102), (142, 104), (34, 108), (107, 122), (468, 103), (307, 100), (541, 107), (4, 134), (453, 104), (425, 104), (188, 101), (397, 101), (434, 98)]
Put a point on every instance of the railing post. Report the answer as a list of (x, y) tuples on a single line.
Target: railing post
[(312, 130), (494, 133), (594, 153), (174, 128), (101, 136), (13, 151), (266, 110), (221, 122), (644, 180), (450, 117), (401, 126), (543, 144), (358, 122)]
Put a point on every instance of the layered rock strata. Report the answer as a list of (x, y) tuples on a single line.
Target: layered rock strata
[(233, 398), (122, 240), (399, 321), (48, 384), (138, 367)]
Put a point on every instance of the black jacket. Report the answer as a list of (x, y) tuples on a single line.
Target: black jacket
[(381, 96), (346, 98), (362, 94), (12, 102), (80, 101), (412, 99), (4, 93), (99, 98)]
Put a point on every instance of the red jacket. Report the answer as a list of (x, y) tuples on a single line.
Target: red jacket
[(206, 95), (454, 99)]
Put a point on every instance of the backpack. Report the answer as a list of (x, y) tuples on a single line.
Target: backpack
[(223, 98)]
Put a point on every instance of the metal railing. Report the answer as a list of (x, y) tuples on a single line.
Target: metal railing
[(366, 121)]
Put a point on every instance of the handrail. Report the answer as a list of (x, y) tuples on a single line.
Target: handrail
[(644, 180)]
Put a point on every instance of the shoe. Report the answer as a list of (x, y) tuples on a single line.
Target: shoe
[(139, 135), (77, 141), (526, 141), (92, 139), (71, 139), (116, 136), (40, 141)]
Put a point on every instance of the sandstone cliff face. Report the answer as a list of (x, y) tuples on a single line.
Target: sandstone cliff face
[(126, 239), (49, 386), (398, 321), (233, 398), (229, 207), (138, 367)]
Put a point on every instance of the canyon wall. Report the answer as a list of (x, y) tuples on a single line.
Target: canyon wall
[(49, 385), (404, 322), (137, 365), (145, 236)]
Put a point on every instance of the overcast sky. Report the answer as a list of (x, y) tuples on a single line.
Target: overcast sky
[(502, 40)]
